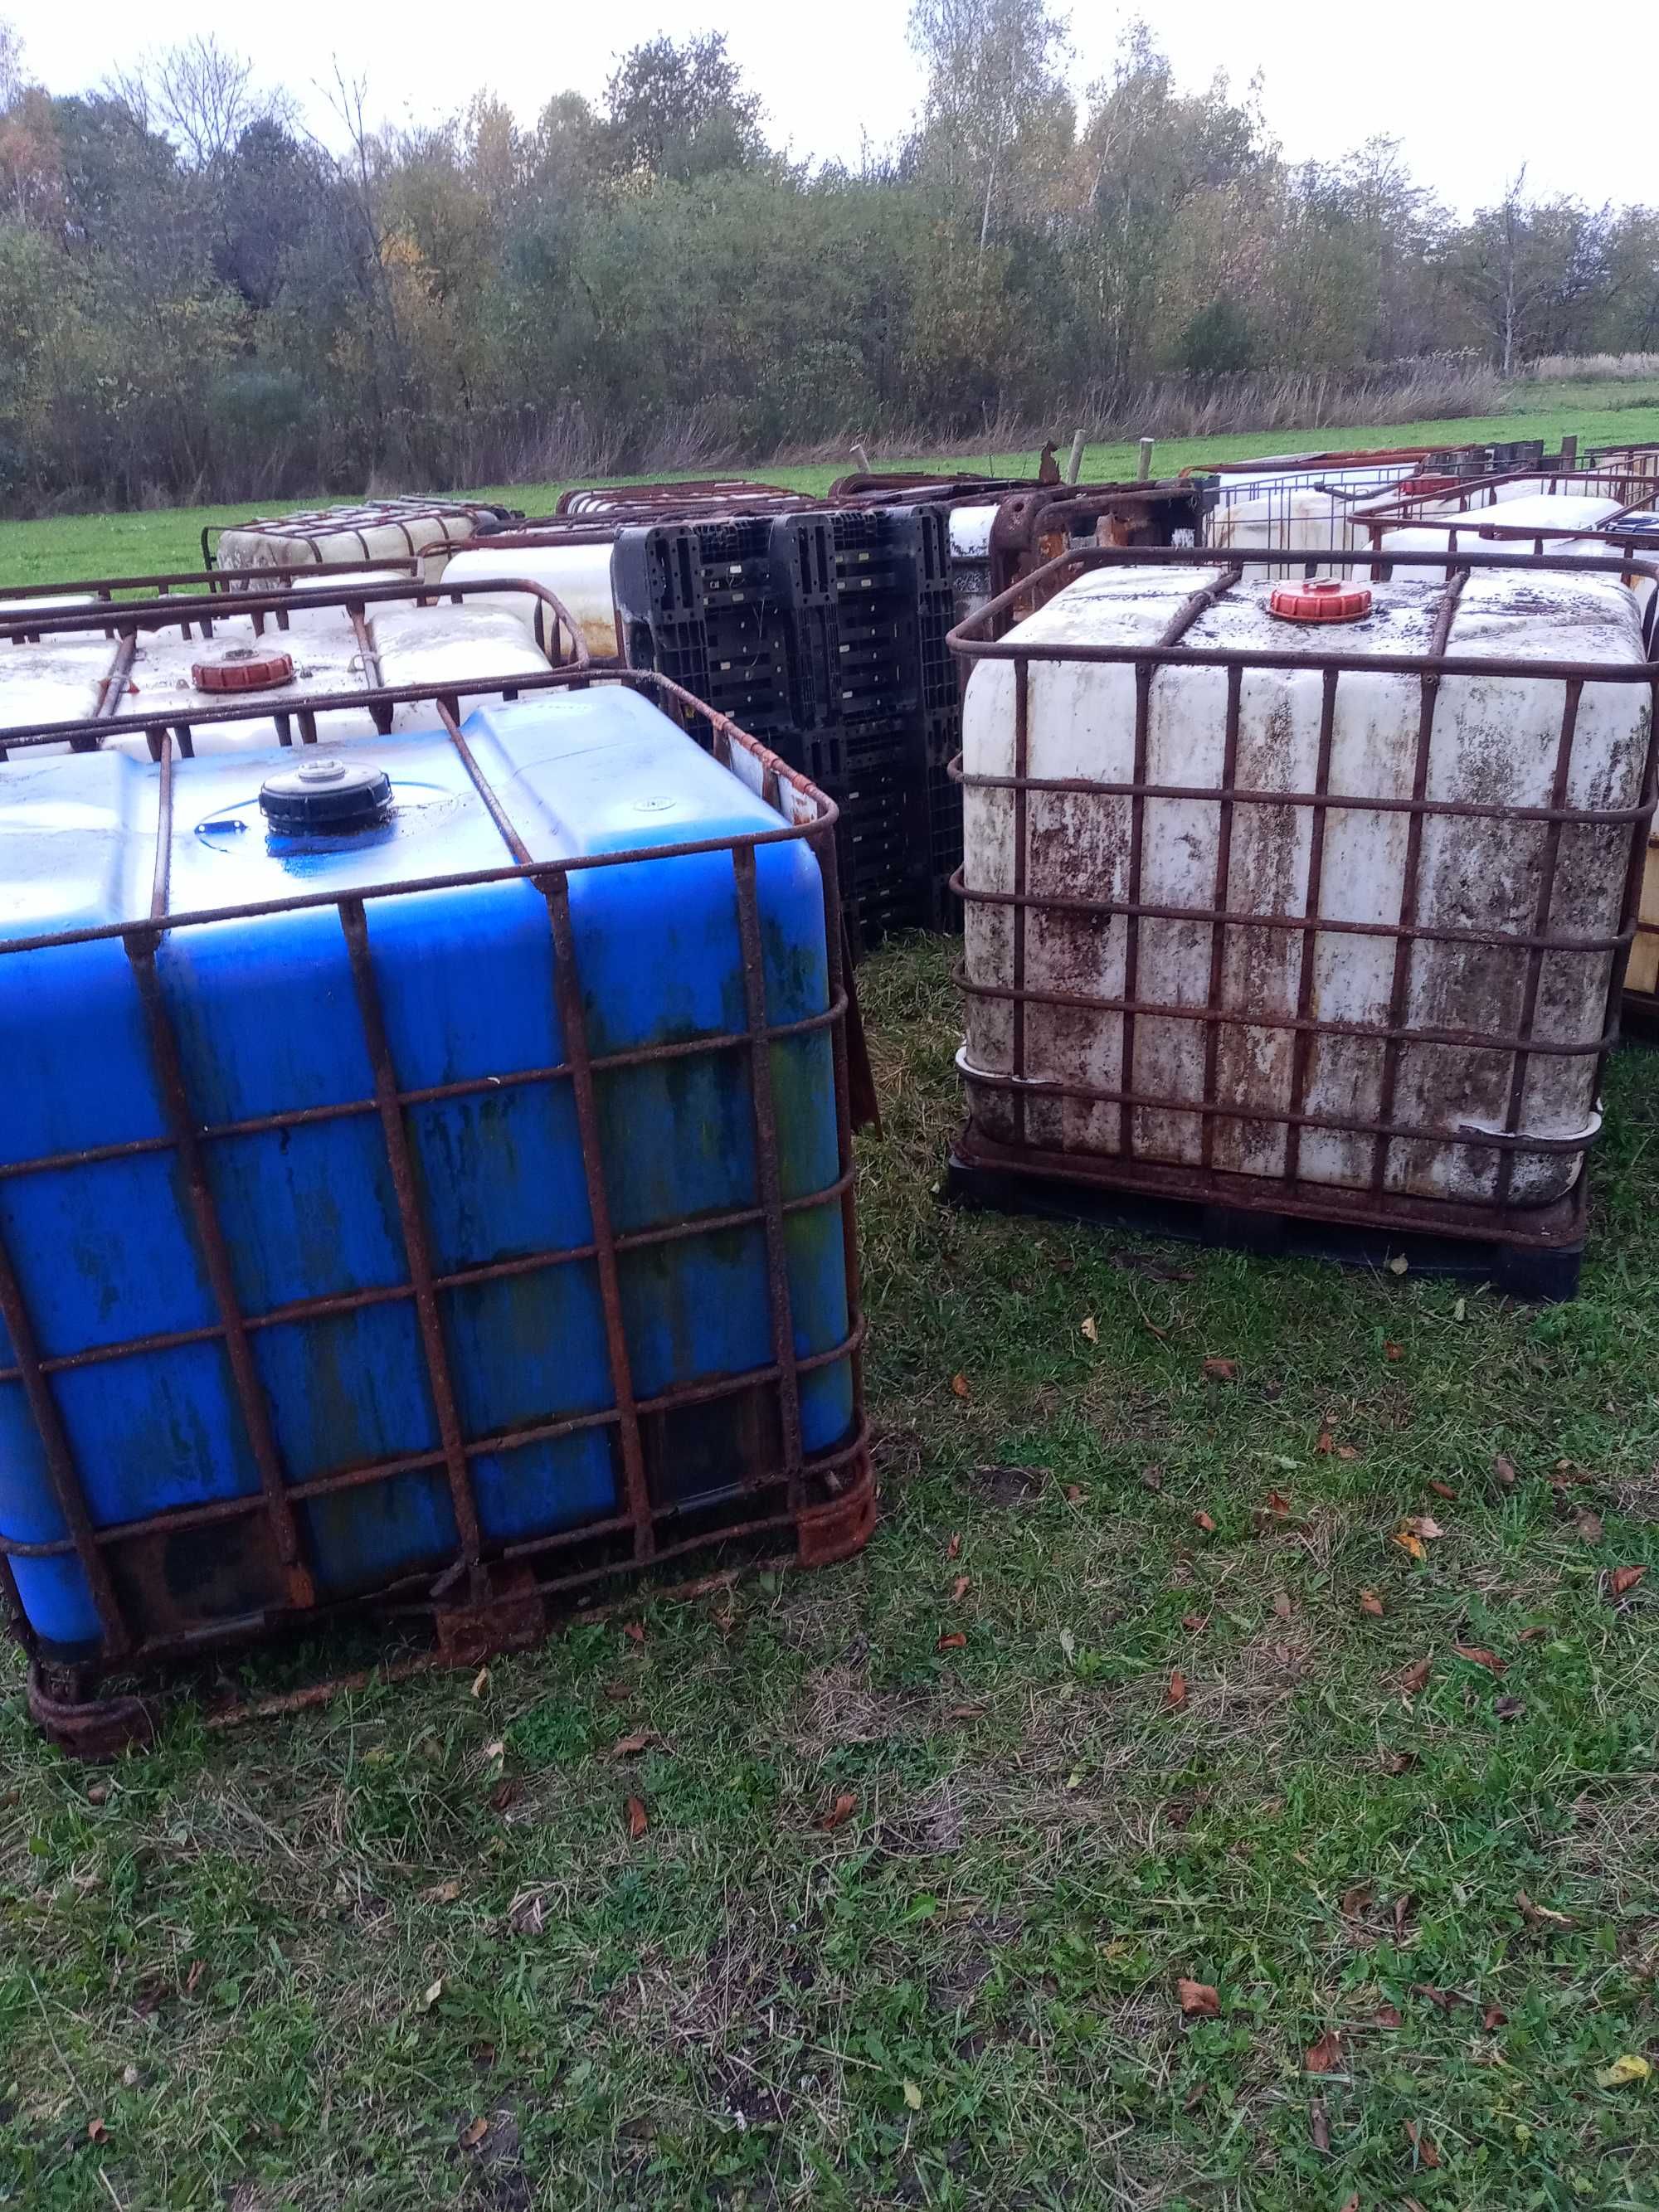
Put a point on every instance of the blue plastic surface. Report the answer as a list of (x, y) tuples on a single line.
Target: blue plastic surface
[(267, 1021)]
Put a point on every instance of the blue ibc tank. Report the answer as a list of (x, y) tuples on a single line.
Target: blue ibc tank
[(268, 1023)]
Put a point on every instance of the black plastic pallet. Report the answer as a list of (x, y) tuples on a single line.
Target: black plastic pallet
[(1541, 1274)]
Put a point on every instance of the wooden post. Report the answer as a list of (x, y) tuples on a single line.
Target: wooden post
[(1569, 453), (1074, 465), (1145, 468)]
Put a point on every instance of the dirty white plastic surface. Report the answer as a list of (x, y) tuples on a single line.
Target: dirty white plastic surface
[(577, 575), (450, 644), (1494, 740)]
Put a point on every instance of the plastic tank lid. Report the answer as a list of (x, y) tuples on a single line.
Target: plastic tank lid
[(327, 795), (1324, 600)]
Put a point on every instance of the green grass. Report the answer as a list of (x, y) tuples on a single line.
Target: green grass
[(152, 541), (964, 1995)]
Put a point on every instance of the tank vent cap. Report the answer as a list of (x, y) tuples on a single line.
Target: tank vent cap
[(1327, 601), (242, 668), (326, 795)]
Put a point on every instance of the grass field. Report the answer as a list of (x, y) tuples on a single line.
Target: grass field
[(152, 543), (1208, 1722)]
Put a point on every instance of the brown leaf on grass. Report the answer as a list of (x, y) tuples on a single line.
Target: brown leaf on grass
[(1201, 1520), (1502, 1472), (965, 1712), (97, 2132), (1194, 1621), (481, 1681), (638, 1820), (1358, 1900), (1152, 1478), (1423, 2149), (1541, 1916), (952, 1642), (633, 1630), (1090, 1329), (961, 1386), (840, 1813), (630, 1746), (953, 1549), (1198, 2000), (1392, 1352), (1623, 1580), (1410, 1542), (1444, 1998), (1075, 1493), (1370, 1603), (1347, 1451), (474, 2132), (1321, 2057), (1221, 1370), (1423, 1525), (1442, 1490), (618, 1692), (1402, 1906), (1416, 1676), (1510, 1709), (1324, 1442), (1176, 1696), (1533, 1634), (1493, 2017), (1319, 2124), (1386, 2016), (1478, 1655), (1399, 1762), (959, 1589), (1589, 1526), (1282, 1605), (441, 1893), (503, 1794), (1278, 1504)]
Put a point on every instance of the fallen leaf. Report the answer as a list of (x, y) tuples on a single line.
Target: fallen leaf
[(1416, 1676), (1194, 2098), (1201, 1520), (1221, 1370), (97, 2132), (1399, 1264), (1282, 1605), (618, 1692), (953, 1642), (429, 1996), (1408, 1542), (965, 1713), (1503, 1473), (1067, 1645), (1370, 1603), (1324, 1442), (1319, 2124), (1176, 1696), (1356, 1900), (1510, 1709), (1533, 1634), (1444, 1998), (497, 1749), (1347, 1451), (638, 1822), (1425, 1525), (98, 1795), (959, 1589), (1075, 1493), (1387, 2016), (1394, 1352), (1278, 1504), (1541, 1915), (633, 1630), (960, 1386), (1322, 2056), (1399, 1762), (1198, 2000), (481, 1681), (1402, 1906), (1423, 2149), (913, 2096), (503, 1794), (1589, 1526), (1091, 1329), (953, 1549), (1623, 1579), (1478, 1655), (1632, 2067), (1152, 1478), (1442, 1490), (630, 1746), (1494, 2017), (474, 2133), (1194, 1621), (441, 1893), (840, 1813)]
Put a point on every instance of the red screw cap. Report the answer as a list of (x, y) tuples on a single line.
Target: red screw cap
[(1327, 600), (243, 668)]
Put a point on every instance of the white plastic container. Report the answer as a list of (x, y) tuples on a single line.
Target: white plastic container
[(382, 530), (1494, 741), (577, 576)]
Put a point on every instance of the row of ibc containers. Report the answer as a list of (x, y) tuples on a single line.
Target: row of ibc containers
[(426, 986)]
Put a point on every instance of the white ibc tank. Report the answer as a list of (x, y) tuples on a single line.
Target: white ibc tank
[(1493, 741), (383, 530), (578, 576)]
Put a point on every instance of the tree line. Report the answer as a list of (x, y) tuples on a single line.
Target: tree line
[(201, 298)]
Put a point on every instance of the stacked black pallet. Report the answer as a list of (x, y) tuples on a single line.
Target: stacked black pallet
[(823, 634)]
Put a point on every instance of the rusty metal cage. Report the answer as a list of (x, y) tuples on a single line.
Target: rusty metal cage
[(1532, 1249), (810, 1508)]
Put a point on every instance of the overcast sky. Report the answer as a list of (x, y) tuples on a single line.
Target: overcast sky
[(1472, 90)]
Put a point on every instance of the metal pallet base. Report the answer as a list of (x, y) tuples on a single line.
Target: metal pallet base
[(1545, 1271)]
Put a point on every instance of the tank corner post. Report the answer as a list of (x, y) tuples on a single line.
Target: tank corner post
[(82, 1721)]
